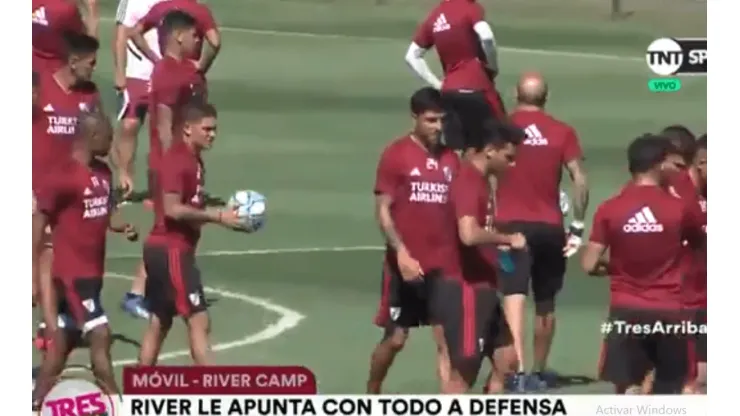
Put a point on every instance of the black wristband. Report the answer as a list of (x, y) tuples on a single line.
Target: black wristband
[(576, 231)]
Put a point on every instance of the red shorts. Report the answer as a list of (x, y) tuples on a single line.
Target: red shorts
[(134, 100)]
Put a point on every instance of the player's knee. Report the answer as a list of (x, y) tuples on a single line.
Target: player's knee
[(395, 338), (545, 308)]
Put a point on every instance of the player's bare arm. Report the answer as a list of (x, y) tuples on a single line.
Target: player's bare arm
[(580, 189), (488, 44), (136, 34), (46, 288), (92, 16), (593, 260), (415, 60), (385, 221), (164, 125), (210, 50), (178, 211), (120, 39), (472, 234)]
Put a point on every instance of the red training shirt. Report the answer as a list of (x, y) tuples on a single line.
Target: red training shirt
[(55, 125), (181, 172), (50, 21), (77, 200), (200, 12), (644, 228), (418, 183), (470, 195), (449, 28), (695, 290), (530, 190), (174, 83)]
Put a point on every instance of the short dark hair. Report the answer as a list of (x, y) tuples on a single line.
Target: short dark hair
[(498, 134), (80, 44), (701, 142), (646, 152), (177, 20), (426, 99), (34, 78), (197, 110), (683, 139)]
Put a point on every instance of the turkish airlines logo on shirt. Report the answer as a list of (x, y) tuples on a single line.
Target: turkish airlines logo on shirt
[(534, 136), (643, 222)]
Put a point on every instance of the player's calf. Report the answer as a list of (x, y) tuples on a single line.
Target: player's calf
[(99, 339), (154, 336), (394, 339), (52, 365), (199, 329)]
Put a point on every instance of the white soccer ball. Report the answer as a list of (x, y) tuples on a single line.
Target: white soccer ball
[(251, 206)]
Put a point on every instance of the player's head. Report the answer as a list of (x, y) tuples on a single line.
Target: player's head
[(427, 111), (180, 31), (646, 157), (200, 124), (532, 90), (674, 159), (95, 132), (700, 158), (82, 51), (683, 139), (495, 145), (34, 89)]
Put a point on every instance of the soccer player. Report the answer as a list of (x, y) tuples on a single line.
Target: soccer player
[(173, 286), (684, 142), (465, 299), (205, 25), (133, 74), (175, 81), (644, 228), (411, 191), (76, 202), (51, 21), (466, 47), (528, 201)]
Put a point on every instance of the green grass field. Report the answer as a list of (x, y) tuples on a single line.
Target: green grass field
[(309, 92)]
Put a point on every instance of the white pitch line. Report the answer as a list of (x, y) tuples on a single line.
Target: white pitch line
[(289, 319), (298, 250), (295, 34)]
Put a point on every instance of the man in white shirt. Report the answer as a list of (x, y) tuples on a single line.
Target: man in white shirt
[(132, 74)]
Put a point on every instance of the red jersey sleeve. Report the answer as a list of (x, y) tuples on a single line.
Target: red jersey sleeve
[(388, 176), (600, 226), (152, 18), (54, 194), (571, 146), (476, 13), (464, 198), (204, 20), (424, 35), (172, 175)]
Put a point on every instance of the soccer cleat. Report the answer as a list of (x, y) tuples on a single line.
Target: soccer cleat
[(517, 383), (536, 382), (134, 306)]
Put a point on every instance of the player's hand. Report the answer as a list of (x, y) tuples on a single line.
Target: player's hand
[(230, 219), (126, 183), (574, 239), (408, 266), (119, 83), (131, 233), (518, 241)]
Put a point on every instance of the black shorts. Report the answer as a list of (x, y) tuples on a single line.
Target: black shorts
[(80, 300), (700, 339), (173, 285), (626, 358), (473, 322), (402, 304), (543, 262)]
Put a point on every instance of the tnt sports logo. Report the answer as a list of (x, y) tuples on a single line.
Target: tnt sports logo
[(686, 56), (78, 396)]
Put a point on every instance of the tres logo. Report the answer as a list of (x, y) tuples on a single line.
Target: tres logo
[(680, 56)]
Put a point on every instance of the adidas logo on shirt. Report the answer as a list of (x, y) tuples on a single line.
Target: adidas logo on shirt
[(643, 222), (534, 136), (39, 16), (440, 25)]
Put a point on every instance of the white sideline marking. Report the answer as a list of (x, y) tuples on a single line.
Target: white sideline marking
[(299, 250), (546, 52), (289, 319)]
